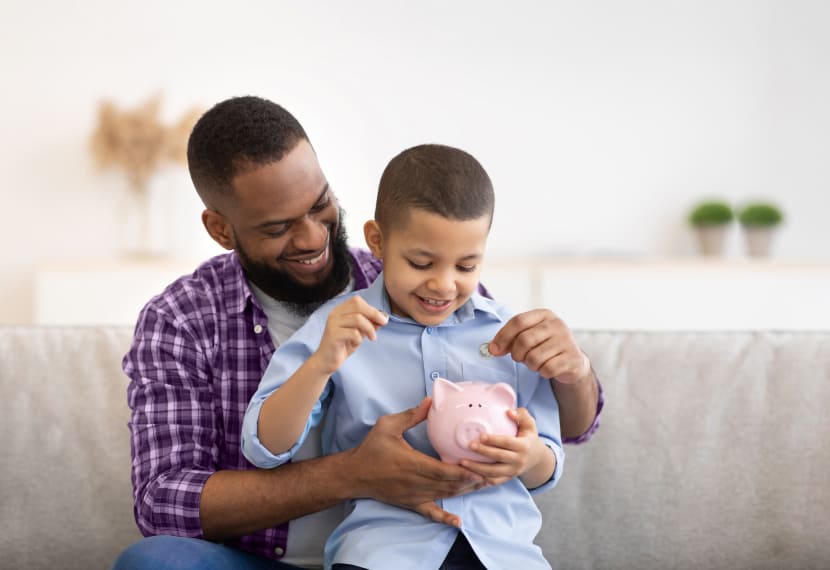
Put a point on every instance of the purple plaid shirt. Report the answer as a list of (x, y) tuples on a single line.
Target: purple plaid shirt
[(198, 354)]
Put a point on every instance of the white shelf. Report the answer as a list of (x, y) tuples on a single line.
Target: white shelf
[(590, 294), (668, 294)]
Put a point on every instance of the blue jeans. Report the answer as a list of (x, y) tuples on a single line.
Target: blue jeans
[(179, 553)]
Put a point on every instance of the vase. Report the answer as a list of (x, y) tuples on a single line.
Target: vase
[(137, 225)]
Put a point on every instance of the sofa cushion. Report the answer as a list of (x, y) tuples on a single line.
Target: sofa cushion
[(65, 494)]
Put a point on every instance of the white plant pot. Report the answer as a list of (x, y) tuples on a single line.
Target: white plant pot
[(712, 239), (758, 240)]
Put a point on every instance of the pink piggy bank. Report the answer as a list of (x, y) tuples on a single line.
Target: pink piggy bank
[(461, 412)]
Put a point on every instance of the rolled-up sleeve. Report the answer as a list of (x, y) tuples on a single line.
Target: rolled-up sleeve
[(284, 362)]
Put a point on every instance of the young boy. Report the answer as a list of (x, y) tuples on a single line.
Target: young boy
[(426, 320)]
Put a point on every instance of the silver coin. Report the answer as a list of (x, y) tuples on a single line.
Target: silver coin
[(484, 350)]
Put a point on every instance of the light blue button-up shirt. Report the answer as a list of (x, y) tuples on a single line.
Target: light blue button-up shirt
[(395, 373)]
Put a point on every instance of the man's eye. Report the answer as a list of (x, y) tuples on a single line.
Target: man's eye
[(418, 266), (321, 206), (277, 232), (466, 268)]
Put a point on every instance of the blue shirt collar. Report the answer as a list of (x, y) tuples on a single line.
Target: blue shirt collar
[(377, 296)]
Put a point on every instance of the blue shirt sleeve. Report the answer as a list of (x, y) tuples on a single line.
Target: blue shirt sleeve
[(284, 362)]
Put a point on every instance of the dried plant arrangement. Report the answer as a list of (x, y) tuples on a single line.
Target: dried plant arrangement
[(137, 141)]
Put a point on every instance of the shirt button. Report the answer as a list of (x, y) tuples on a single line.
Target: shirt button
[(430, 330), (279, 551), (433, 375), (257, 329)]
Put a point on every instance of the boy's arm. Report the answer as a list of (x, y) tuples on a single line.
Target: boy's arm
[(287, 406)]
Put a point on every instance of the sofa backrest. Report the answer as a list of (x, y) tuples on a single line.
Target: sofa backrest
[(713, 452)]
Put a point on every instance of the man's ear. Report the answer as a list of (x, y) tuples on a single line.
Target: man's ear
[(374, 238), (219, 229)]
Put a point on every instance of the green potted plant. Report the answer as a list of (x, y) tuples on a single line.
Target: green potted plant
[(711, 219), (759, 221)]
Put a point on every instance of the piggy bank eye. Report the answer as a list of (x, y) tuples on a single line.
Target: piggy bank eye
[(469, 405)]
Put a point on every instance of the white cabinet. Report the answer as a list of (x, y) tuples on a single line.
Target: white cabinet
[(90, 292)]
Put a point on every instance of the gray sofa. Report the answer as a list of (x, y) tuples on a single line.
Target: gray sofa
[(714, 452)]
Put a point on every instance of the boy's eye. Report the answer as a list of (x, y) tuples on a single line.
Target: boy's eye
[(466, 268), (418, 266)]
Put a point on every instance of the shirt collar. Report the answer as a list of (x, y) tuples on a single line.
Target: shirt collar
[(376, 296), (239, 292)]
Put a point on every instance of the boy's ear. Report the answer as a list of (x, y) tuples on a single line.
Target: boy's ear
[(218, 228), (374, 238)]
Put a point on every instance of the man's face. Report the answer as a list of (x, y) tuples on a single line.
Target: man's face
[(431, 265), (286, 229)]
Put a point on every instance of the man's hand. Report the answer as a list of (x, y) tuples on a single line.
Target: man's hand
[(389, 470), (544, 343)]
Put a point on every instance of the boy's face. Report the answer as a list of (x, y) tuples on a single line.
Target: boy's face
[(431, 264)]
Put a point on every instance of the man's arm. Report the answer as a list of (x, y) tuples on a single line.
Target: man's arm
[(579, 407), (383, 467), (545, 344), (179, 489)]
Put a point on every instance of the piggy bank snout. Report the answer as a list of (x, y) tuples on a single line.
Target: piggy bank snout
[(469, 431)]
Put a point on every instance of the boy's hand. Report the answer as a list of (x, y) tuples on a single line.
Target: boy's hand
[(513, 456), (347, 325), (544, 343)]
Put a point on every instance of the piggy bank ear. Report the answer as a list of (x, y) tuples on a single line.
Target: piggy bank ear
[(503, 394), (441, 390)]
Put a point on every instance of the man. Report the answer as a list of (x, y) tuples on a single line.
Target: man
[(201, 347)]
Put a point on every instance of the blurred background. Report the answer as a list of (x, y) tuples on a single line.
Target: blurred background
[(601, 123)]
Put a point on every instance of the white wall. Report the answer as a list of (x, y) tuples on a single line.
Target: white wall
[(600, 122)]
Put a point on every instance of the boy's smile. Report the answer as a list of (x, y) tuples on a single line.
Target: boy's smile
[(431, 264)]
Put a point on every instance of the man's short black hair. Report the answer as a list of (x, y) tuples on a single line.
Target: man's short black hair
[(234, 135)]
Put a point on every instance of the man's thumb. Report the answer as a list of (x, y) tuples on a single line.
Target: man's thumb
[(407, 419)]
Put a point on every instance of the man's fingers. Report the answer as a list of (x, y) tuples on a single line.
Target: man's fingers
[(435, 513), (407, 419)]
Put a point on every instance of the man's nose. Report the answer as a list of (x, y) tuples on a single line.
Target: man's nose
[(309, 234)]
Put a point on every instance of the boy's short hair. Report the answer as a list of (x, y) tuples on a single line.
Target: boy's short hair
[(435, 178), (234, 135)]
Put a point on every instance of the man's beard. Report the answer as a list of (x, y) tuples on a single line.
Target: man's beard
[(302, 299)]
